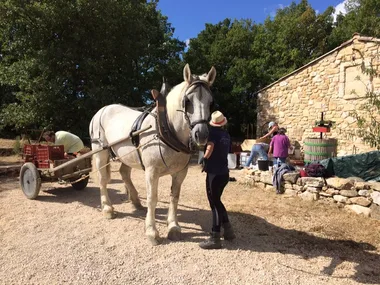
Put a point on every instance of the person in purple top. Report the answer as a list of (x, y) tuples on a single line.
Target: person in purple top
[(279, 146)]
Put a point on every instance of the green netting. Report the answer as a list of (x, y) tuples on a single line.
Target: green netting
[(364, 165)]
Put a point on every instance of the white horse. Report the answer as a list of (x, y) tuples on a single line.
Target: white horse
[(188, 111)]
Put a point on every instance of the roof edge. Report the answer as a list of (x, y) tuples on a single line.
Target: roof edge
[(346, 43)]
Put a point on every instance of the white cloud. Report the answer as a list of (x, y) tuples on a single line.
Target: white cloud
[(187, 42), (272, 10), (340, 8)]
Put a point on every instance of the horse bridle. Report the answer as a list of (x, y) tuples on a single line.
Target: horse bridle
[(197, 83), (166, 134)]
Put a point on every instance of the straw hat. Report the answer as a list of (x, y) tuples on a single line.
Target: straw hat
[(218, 119)]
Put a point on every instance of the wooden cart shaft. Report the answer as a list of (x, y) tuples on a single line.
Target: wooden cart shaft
[(91, 153)]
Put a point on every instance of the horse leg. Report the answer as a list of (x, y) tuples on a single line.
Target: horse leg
[(125, 172), (104, 175), (174, 230), (151, 198)]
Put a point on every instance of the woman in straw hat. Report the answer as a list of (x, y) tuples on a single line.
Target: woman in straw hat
[(215, 164)]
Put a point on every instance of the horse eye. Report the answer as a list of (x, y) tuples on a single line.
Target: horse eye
[(188, 105)]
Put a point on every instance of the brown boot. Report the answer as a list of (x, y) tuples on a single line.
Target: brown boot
[(213, 242), (228, 232)]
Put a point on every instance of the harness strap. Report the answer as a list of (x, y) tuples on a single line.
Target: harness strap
[(162, 157), (198, 81), (140, 158), (137, 126), (164, 130)]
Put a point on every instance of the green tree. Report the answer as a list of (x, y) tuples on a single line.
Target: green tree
[(362, 17), (293, 38), (227, 46), (67, 59), (250, 56)]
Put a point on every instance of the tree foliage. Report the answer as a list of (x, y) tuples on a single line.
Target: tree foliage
[(60, 61), (66, 59), (250, 56), (227, 46), (363, 17), (294, 37)]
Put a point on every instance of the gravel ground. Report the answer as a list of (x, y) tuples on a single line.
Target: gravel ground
[(62, 237)]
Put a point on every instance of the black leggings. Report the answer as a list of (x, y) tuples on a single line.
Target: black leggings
[(215, 185)]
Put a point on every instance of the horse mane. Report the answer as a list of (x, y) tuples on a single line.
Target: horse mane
[(174, 100)]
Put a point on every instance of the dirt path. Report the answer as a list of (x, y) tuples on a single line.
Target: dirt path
[(62, 237)]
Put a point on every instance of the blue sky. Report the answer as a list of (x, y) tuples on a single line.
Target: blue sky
[(189, 17)]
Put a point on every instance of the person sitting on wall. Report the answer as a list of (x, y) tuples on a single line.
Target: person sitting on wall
[(259, 150), (72, 144)]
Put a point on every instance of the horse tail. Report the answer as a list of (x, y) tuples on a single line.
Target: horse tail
[(96, 129), (100, 166)]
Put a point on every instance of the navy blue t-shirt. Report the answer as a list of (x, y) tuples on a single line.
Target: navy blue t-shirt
[(217, 162)]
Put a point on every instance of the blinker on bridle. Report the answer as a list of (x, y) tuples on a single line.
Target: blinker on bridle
[(196, 83)]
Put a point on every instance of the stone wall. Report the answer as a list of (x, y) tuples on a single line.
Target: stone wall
[(354, 195), (329, 84)]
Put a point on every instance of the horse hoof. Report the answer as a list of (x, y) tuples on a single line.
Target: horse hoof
[(155, 241), (109, 215), (138, 207), (174, 234)]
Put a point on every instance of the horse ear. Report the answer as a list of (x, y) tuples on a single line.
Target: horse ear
[(155, 94), (211, 76), (187, 73)]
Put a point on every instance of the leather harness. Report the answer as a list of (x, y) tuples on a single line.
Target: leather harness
[(165, 132)]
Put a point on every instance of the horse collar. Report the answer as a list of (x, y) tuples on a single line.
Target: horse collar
[(165, 132)]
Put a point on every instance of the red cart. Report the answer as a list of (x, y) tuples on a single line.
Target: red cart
[(47, 163)]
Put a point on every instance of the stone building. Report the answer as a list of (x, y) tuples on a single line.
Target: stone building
[(333, 84)]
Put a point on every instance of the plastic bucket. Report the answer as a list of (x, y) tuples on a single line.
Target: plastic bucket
[(263, 165)]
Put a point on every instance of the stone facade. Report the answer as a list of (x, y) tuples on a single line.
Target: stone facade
[(333, 84), (352, 194)]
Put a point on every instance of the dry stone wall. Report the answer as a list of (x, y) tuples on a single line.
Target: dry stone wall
[(352, 194), (329, 84)]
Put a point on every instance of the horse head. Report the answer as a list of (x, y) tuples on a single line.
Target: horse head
[(196, 103)]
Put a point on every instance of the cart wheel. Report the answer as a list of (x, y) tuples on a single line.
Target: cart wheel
[(80, 185), (30, 180)]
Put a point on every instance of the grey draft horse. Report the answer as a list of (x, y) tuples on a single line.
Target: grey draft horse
[(188, 111)]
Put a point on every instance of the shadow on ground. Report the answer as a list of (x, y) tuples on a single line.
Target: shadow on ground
[(90, 196), (256, 234), (253, 234)]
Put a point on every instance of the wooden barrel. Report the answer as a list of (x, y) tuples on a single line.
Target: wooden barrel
[(316, 149)]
